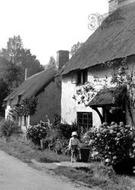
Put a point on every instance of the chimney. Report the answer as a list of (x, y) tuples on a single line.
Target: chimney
[(62, 58), (114, 4)]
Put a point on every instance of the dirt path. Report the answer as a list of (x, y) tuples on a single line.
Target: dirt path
[(16, 175)]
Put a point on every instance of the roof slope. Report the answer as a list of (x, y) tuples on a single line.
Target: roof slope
[(103, 97), (115, 38), (32, 86)]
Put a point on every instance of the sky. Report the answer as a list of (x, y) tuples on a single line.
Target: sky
[(47, 26)]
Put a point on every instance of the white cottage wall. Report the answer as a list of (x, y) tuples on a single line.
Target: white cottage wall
[(68, 104), (7, 111), (70, 107)]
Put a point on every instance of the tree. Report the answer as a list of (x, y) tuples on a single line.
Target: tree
[(51, 63), (13, 45), (29, 61), (19, 59), (13, 75), (75, 48), (3, 66)]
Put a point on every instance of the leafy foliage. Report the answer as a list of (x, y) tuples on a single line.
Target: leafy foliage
[(37, 132), (27, 60), (57, 135), (27, 107), (13, 45), (13, 75), (51, 63), (4, 90), (113, 143), (124, 78), (85, 93), (8, 127), (66, 130), (55, 141), (19, 59)]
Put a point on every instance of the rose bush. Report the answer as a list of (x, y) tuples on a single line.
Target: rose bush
[(113, 143)]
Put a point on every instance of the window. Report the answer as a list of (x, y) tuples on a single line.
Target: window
[(79, 77), (85, 76), (84, 120), (82, 77)]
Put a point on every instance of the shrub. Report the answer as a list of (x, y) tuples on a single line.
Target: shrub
[(66, 130), (113, 143), (55, 141), (58, 136), (37, 132), (8, 127)]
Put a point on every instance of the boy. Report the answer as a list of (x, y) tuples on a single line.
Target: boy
[(74, 146)]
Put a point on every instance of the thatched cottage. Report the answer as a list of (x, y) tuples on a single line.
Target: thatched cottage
[(99, 58), (46, 87)]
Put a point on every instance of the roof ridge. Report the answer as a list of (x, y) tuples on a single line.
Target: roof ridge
[(108, 43), (32, 85)]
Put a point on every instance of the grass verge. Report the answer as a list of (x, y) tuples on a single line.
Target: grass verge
[(19, 147), (97, 176)]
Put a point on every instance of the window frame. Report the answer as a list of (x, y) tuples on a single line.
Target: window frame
[(87, 120), (82, 77)]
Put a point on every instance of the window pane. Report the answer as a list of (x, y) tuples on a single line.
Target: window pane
[(85, 76), (84, 119), (78, 77)]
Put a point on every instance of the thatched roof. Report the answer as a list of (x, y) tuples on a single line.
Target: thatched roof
[(103, 97), (32, 86), (115, 38)]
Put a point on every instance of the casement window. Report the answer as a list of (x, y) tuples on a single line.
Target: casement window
[(82, 77), (84, 120)]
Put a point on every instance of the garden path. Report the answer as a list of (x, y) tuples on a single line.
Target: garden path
[(65, 164), (16, 175)]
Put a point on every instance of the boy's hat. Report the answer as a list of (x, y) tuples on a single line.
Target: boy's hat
[(74, 133)]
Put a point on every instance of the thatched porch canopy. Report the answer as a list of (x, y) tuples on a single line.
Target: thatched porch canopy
[(112, 101), (103, 97)]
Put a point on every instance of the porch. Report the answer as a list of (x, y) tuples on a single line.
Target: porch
[(112, 108)]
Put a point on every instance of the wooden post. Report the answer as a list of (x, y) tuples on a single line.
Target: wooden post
[(41, 144)]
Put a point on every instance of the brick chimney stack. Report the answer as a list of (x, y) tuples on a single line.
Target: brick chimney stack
[(62, 58), (114, 4)]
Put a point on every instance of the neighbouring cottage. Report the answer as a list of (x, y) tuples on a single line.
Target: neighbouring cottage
[(46, 87), (97, 60)]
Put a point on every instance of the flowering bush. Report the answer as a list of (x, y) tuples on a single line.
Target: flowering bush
[(113, 143), (37, 132)]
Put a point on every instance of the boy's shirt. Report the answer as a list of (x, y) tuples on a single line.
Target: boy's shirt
[(73, 141)]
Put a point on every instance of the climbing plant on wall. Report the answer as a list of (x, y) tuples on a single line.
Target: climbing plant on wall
[(124, 82), (27, 107)]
